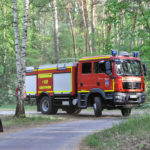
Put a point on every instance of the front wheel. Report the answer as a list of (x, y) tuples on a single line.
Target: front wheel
[(126, 111), (97, 105)]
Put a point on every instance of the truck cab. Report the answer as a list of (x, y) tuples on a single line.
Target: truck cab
[(111, 82)]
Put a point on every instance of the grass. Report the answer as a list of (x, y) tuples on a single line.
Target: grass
[(13, 107), (132, 134), (11, 122)]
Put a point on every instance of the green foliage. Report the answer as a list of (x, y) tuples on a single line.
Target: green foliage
[(1, 70), (10, 121), (122, 25), (134, 130)]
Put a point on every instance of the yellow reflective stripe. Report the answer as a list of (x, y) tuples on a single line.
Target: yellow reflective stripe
[(71, 78), (30, 92), (61, 91), (50, 69), (55, 91), (94, 58), (45, 75), (83, 91), (113, 87), (46, 91), (104, 90), (47, 69), (45, 87)]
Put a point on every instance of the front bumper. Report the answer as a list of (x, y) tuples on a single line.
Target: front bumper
[(128, 98)]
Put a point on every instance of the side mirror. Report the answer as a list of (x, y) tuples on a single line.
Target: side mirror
[(145, 70), (108, 68)]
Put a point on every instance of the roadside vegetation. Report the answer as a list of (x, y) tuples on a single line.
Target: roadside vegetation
[(13, 107), (11, 123), (131, 134)]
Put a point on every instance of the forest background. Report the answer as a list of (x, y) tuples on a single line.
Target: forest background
[(85, 28)]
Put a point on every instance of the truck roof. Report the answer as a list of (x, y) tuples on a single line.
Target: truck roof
[(107, 57), (95, 57)]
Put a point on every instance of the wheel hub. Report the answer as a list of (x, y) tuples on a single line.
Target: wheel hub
[(94, 105), (45, 105)]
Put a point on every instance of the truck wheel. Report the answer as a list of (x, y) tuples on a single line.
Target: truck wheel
[(97, 106), (46, 105), (126, 111)]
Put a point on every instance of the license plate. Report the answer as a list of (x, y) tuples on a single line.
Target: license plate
[(133, 96), (65, 103)]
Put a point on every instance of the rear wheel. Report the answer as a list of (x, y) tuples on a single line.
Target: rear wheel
[(47, 106), (97, 105), (126, 111)]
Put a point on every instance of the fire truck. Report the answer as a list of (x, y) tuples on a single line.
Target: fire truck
[(101, 82)]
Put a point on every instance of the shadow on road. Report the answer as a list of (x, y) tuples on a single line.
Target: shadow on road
[(89, 116)]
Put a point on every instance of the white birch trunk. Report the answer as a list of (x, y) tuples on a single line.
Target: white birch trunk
[(20, 57), (24, 43), (17, 48), (17, 44)]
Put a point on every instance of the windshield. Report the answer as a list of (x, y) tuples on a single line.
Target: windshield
[(128, 67)]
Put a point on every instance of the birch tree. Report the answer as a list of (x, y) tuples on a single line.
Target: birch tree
[(20, 56)]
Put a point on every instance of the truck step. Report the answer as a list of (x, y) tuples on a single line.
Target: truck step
[(82, 102)]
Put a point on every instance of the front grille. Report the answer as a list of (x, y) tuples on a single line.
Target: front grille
[(131, 85)]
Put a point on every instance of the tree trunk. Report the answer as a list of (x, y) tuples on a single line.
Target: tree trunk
[(20, 57), (56, 31), (108, 34), (132, 43), (72, 31), (93, 26), (84, 9)]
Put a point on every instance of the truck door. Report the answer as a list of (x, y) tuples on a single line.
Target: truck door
[(93, 75), (85, 77), (104, 80)]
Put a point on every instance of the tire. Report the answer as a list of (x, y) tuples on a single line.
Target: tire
[(46, 105), (97, 106), (73, 110), (126, 111)]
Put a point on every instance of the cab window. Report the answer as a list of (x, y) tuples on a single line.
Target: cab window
[(86, 68), (99, 67)]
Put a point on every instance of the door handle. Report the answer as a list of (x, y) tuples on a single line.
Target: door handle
[(98, 84)]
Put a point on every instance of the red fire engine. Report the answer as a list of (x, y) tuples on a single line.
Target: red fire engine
[(103, 82)]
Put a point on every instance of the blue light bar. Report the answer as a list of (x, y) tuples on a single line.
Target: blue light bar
[(135, 54), (114, 52)]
